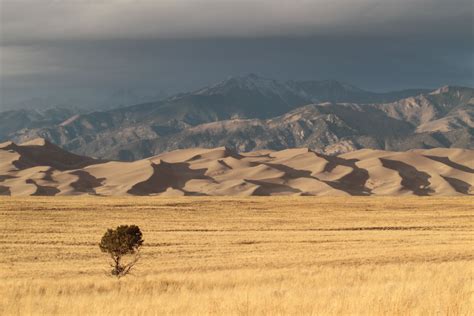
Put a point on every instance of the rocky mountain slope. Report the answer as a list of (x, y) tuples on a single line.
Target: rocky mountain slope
[(251, 113), (433, 120), (23, 120), (41, 168)]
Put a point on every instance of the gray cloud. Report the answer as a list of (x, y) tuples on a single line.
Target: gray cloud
[(28, 20), (91, 47)]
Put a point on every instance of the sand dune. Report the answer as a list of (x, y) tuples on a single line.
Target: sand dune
[(41, 168)]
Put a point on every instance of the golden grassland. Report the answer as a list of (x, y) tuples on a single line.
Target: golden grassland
[(241, 256)]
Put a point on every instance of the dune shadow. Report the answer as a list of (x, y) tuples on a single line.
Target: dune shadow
[(43, 190), (268, 188), (458, 185), (49, 155), (352, 183), (169, 175), (224, 164), (450, 163), (86, 182), (6, 177), (5, 190), (412, 179), (48, 175)]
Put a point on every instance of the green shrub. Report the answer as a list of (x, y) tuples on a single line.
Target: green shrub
[(120, 242)]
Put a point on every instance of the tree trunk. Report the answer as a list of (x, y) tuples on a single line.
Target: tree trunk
[(117, 268)]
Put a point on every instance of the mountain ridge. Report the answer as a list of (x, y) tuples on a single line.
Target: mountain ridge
[(262, 106)]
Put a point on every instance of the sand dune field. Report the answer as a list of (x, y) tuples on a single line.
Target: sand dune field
[(41, 168)]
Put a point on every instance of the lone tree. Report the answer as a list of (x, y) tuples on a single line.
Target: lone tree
[(119, 242)]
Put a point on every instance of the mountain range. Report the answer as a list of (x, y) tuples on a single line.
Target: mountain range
[(248, 113)]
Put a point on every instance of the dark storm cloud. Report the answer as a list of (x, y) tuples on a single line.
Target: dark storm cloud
[(26, 20), (88, 47)]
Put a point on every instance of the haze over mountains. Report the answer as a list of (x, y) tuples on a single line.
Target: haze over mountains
[(248, 113), (41, 168)]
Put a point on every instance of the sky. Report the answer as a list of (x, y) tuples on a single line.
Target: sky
[(94, 48)]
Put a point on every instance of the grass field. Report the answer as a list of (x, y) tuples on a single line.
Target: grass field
[(241, 256)]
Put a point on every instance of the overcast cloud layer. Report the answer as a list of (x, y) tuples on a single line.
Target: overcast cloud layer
[(62, 46), (25, 20)]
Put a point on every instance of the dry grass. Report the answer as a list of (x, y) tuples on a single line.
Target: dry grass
[(241, 256)]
